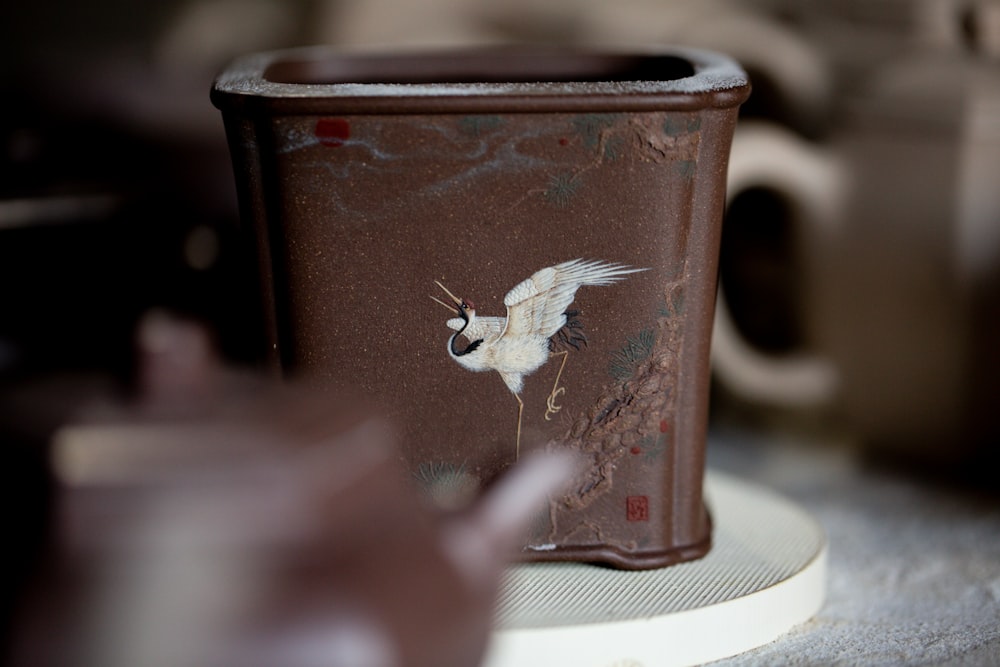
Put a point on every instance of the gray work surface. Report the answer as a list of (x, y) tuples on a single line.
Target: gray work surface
[(914, 569)]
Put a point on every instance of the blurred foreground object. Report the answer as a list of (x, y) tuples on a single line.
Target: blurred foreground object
[(219, 520)]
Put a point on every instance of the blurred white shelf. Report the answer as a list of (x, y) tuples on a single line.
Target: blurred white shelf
[(765, 574)]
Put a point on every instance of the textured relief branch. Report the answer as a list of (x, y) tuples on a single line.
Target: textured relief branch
[(630, 412)]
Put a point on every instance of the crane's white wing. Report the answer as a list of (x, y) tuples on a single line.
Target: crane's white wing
[(537, 305)]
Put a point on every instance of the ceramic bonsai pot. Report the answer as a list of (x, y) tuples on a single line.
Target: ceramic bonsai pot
[(562, 209)]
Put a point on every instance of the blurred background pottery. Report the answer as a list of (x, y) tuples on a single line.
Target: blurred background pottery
[(210, 516), (882, 234)]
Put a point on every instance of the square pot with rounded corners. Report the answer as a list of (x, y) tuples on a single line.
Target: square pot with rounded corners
[(563, 209)]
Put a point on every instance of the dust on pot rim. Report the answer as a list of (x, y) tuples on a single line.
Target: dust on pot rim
[(324, 80)]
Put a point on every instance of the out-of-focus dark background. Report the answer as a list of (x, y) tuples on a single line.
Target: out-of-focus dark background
[(861, 252)]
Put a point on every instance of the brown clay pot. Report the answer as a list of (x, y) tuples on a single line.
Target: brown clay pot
[(368, 178)]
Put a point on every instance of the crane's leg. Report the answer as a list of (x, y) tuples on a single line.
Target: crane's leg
[(550, 403), (520, 409)]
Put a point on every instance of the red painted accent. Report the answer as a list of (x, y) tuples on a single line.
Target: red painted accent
[(636, 450), (637, 508), (664, 426), (332, 132), (563, 141)]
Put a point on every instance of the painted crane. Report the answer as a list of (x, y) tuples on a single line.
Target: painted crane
[(517, 345)]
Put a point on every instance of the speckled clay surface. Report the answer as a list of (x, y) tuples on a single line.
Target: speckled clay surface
[(362, 193)]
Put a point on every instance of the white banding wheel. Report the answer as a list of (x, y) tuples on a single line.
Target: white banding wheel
[(764, 575)]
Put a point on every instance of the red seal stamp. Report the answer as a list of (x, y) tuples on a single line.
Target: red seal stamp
[(637, 508)]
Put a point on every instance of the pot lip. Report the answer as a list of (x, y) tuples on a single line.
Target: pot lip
[(717, 82)]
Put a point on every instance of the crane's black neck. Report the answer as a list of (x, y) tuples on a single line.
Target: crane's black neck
[(471, 347)]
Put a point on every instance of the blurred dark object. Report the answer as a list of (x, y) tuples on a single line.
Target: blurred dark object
[(75, 286), (116, 190), (211, 518)]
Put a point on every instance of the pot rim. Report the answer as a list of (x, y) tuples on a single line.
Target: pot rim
[(259, 83)]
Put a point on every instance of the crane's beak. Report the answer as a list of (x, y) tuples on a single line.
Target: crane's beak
[(458, 302), (453, 310)]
